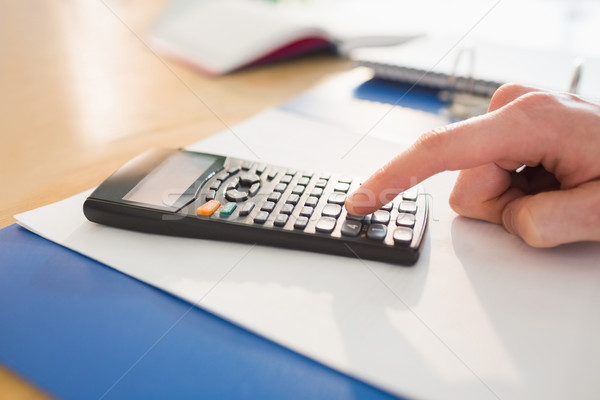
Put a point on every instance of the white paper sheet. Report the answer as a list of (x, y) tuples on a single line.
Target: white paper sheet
[(480, 316)]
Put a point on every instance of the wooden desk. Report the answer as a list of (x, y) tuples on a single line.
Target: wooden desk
[(81, 93)]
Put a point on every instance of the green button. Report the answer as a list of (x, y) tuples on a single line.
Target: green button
[(227, 209)]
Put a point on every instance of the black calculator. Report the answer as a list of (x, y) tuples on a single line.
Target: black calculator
[(192, 194)]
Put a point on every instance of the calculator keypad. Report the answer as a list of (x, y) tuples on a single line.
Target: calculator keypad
[(269, 197)]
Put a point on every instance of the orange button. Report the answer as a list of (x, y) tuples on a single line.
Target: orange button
[(208, 208)]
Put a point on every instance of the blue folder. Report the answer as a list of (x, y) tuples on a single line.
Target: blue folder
[(81, 330)]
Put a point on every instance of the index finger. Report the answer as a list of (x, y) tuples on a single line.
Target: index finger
[(511, 133)]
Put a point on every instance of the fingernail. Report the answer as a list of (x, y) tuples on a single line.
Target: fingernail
[(357, 196), (508, 221)]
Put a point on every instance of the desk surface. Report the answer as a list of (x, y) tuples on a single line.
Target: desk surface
[(82, 94)]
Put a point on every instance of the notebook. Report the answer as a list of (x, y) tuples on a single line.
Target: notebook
[(218, 37), (478, 68)]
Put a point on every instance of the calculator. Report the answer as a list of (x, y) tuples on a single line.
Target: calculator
[(209, 196)]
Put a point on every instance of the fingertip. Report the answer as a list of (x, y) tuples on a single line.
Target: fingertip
[(360, 202), (349, 204), (508, 220)]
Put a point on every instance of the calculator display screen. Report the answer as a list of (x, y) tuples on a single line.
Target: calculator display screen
[(166, 183)]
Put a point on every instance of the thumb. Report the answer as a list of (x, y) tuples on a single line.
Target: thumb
[(551, 218)]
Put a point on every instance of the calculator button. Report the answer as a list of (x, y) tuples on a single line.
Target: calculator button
[(215, 185), (380, 217), (298, 189), (223, 176), (272, 174), (234, 184), (307, 211), (387, 207), (261, 217), (325, 176), (355, 217), (337, 198), (287, 209), (351, 228), (316, 192), (311, 201), (280, 187), (307, 174), (208, 208), (227, 209), (403, 235), (281, 220), (303, 181), (293, 199), (321, 183), (246, 165), (236, 196), (261, 168), (325, 224), (301, 223), (234, 169), (254, 189), (274, 197), (407, 207), (211, 195), (247, 209), (345, 180), (285, 179), (268, 206), (341, 187), (376, 231), (405, 219), (332, 210), (410, 194), (291, 172), (247, 179)]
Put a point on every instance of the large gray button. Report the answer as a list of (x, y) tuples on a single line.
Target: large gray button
[(248, 179), (337, 198), (351, 228), (405, 219), (381, 217), (376, 231), (325, 224), (407, 207), (332, 210), (236, 196), (403, 235)]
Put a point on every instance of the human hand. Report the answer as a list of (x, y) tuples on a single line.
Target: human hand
[(555, 200)]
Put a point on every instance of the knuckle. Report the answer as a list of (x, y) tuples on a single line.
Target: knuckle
[(530, 228), (455, 203), (458, 201), (504, 94), (541, 101), (549, 113), (510, 88)]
